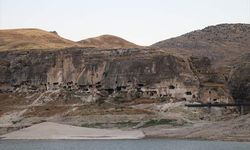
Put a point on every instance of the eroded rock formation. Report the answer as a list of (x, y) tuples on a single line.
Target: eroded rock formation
[(123, 73)]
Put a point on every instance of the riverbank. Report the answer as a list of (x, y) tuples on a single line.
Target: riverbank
[(230, 130), (135, 121), (50, 130)]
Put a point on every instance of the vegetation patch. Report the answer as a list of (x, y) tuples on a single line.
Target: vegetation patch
[(127, 124), (171, 122)]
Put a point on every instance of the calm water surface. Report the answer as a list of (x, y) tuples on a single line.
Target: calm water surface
[(144, 144)]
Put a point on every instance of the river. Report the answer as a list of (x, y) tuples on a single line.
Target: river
[(143, 144)]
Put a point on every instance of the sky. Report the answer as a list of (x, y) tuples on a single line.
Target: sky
[(143, 22)]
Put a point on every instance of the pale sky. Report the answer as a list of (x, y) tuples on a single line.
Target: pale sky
[(143, 22)]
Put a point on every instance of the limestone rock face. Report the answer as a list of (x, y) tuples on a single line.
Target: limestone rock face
[(239, 80), (221, 55), (123, 73)]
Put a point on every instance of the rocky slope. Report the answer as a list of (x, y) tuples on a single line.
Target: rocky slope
[(228, 48), (107, 42), (220, 43)]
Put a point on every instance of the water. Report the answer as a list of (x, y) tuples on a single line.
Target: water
[(144, 144)]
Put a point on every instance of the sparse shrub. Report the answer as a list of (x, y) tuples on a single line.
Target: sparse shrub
[(160, 122)]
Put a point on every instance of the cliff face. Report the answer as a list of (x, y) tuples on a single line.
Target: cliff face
[(226, 46), (239, 79), (123, 73)]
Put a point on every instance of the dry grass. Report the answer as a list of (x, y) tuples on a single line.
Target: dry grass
[(107, 110), (26, 39), (46, 111), (107, 42)]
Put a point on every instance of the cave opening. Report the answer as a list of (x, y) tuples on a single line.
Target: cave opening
[(188, 93), (55, 83), (152, 93), (98, 86), (70, 83), (110, 91), (171, 87), (123, 87), (118, 88), (183, 99), (140, 84)]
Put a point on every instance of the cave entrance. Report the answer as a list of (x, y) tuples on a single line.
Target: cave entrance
[(110, 91), (171, 87), (188, 93)]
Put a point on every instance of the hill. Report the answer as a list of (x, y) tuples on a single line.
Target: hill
[(221, 43), (26, 39), (107, 42)]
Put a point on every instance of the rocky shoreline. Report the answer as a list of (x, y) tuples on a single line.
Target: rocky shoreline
[(213, 131), (49, 130), (231, 130)]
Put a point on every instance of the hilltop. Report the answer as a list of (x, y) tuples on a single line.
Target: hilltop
[(31, 38), (26, 39), (221, 43), (107, 42)]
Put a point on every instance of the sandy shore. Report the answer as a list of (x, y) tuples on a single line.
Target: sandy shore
[(49, 130)]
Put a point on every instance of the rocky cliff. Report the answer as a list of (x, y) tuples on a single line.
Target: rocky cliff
[(193, 67), (124, 73), (226, 45), (239, 79)]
